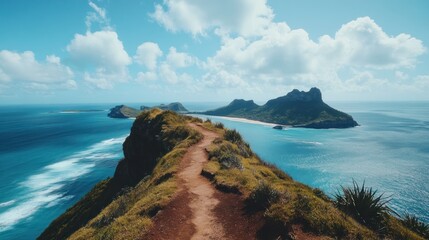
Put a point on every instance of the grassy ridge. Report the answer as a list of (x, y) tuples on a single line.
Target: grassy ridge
[(234, 167), (115, 204), (119, 209)]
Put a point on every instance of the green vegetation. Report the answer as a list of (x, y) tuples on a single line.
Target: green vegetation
[(299, 109), (263, 196), (144, 183), (413, 223), (122, 207), (364, 205), (285, 202)]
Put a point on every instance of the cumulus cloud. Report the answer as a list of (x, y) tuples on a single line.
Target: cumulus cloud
[(366, 44), (24, 68), (288, 56), (168, 74), (100, 49), (167, 69), (147, 54), (104, 52), (246, 17), (179, 59), (143, 77)]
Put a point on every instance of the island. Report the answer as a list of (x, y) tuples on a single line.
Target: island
[(123, 111), (295, 109), (175, 106)]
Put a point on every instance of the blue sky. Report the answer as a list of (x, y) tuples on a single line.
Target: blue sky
[(202, 50)]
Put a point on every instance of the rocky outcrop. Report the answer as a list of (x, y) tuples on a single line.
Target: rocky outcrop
[(314, 95), (297, 109), (122, 111)]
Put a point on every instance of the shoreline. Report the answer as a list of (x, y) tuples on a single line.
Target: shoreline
[(245, 120)]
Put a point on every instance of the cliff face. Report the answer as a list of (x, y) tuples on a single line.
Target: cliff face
[(297, 108), (153, 134)]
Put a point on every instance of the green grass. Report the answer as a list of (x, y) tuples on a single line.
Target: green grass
[(115, 210), (413, 223), (285, 202)]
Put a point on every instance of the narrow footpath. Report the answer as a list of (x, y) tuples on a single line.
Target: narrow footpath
[(200, 211)]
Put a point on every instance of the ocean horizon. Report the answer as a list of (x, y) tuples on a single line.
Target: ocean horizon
[(51, 156)]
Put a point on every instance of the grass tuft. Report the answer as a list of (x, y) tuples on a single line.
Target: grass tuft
[(413, 223), (263, 196), (233, 136)]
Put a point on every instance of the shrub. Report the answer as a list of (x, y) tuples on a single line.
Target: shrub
[(230, 160), (263, 196), (219, 125), (413, 223), (363, 204), (233, 136), (208, 120), (319, 193)]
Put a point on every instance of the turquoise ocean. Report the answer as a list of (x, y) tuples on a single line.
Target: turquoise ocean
[(50, 157)]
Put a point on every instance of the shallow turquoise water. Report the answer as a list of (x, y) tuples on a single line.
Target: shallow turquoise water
[(49, 159)]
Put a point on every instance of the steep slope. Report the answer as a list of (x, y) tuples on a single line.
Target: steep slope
[(153, 134), (297, 108), (242, 198)]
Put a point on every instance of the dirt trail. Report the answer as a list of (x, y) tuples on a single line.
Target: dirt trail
[(203, 203), (199, 211)]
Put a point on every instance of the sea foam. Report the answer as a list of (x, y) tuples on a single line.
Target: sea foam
[(45, 189)]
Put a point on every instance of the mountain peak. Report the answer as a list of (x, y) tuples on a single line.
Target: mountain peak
[(297, 108), (301, 96)]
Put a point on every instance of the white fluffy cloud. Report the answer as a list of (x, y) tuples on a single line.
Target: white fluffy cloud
[(23, 67), (99, 49), (179, 59), (246, 17), (104, 52), (147, 54), (366, 44), (255, 49), (168, 69), (143, 77), (289, 56)]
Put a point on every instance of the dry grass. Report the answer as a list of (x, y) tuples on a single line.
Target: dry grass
[(284, 201)]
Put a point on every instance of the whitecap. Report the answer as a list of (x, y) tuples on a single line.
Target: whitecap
[(312, 143), (8, 203), (43, 190)]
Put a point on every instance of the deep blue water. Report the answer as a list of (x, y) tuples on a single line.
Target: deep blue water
[(49, 159)]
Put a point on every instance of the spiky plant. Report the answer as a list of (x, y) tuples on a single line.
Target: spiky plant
[(363, 204), (413, 223)]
